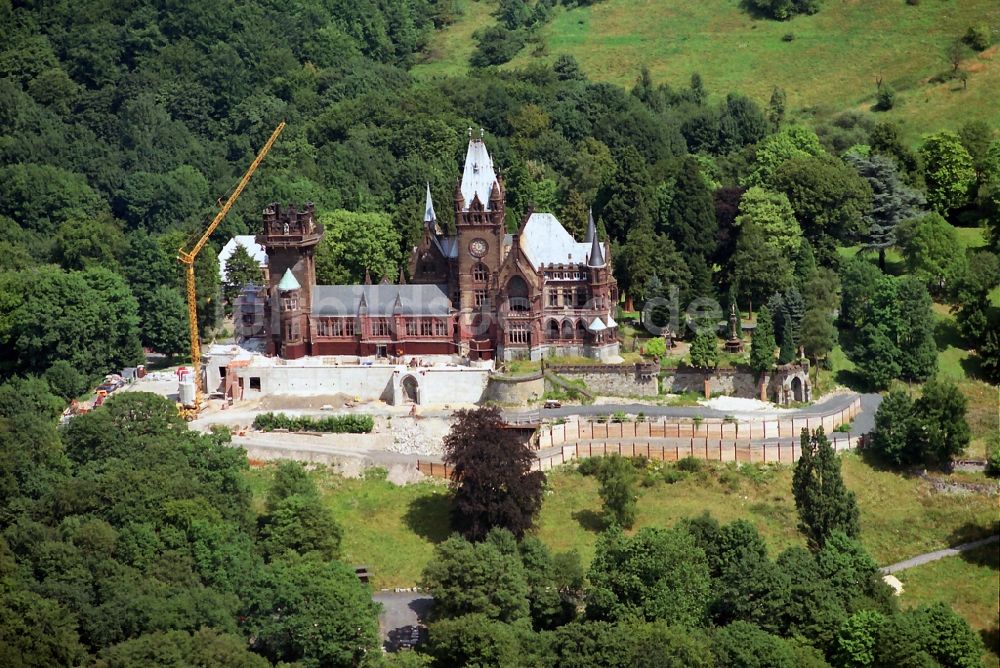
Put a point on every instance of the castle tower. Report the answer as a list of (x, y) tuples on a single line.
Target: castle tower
[(479, 221), (599, 275), (290, 237)]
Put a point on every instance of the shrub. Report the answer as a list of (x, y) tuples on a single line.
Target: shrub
[(978, 37), (885, 99), (788, 37), (333, 424), (589, 466), (619, 416), (690, 464), (993, 455), (670, 476), (656, 348), (617, 490)]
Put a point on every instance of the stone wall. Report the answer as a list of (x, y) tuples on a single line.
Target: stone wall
[(641, 380), (785, 384), (616, 380), (515, 389)]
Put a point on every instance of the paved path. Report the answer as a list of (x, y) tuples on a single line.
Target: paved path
[(403, 616), (938, 554)]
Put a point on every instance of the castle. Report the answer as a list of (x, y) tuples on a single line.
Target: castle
[(480, 293)]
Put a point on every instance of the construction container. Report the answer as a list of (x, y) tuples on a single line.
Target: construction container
[(185, 392)]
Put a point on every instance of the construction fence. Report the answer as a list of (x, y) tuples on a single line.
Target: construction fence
[(727, 430), (672, 439), (703, 448)]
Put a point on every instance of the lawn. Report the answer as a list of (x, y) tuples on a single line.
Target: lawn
[(830, 64), (969, 583), (393, 530)]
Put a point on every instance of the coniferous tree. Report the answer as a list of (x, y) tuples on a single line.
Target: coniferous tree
[(793, 308), (762, 342), (705, 349), (494, 483), (819, 336), (628, 203), (691, 215), (915, 337), (786, 353), (241, 270), (891, 437), (757, 268), (876, 355), (892, 202), (822, 500)]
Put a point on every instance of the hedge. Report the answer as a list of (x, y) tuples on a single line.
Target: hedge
[(337, 424)]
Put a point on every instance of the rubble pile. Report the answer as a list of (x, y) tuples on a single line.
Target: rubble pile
[(409, 438)]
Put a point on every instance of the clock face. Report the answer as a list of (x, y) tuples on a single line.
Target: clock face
[(478, 247)]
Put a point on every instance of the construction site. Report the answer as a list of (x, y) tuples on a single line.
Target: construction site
[(408, 356)]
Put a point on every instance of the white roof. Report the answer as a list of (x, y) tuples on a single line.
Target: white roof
[(478, 177), (597, 325), (611, 322), (545, 241), (429, 215), (249, 242)]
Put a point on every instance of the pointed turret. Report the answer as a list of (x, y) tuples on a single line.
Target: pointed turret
[(368, 277), (596, 258), (478, 177), (288, 282), (397, 305), (430, 218), (591, 228), (402, 277), (363, 305)]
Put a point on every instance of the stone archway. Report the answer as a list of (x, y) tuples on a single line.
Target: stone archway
[(567, 329), (552, 330), (798, 393), (410, 390)]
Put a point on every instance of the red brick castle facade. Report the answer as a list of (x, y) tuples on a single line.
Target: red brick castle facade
[(479, 292)]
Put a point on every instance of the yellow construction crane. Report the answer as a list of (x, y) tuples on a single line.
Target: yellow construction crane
[(188, 258)]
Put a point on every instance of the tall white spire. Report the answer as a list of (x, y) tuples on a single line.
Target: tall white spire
[(478, 177), (429, 216)]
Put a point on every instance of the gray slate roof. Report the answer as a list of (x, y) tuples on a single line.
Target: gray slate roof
[(381, 300)]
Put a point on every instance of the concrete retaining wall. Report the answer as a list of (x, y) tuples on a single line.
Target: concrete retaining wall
[(515, 389), (434, 385)]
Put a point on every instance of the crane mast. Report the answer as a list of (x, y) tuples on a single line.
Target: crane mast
[(187, 258)]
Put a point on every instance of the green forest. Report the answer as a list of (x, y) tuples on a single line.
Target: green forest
[(128, 540)]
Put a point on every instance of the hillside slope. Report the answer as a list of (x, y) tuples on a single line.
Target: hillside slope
[(830, 65)]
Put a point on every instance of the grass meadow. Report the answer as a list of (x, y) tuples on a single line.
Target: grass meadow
[(968, 583), (393, 529), (829, 65)]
